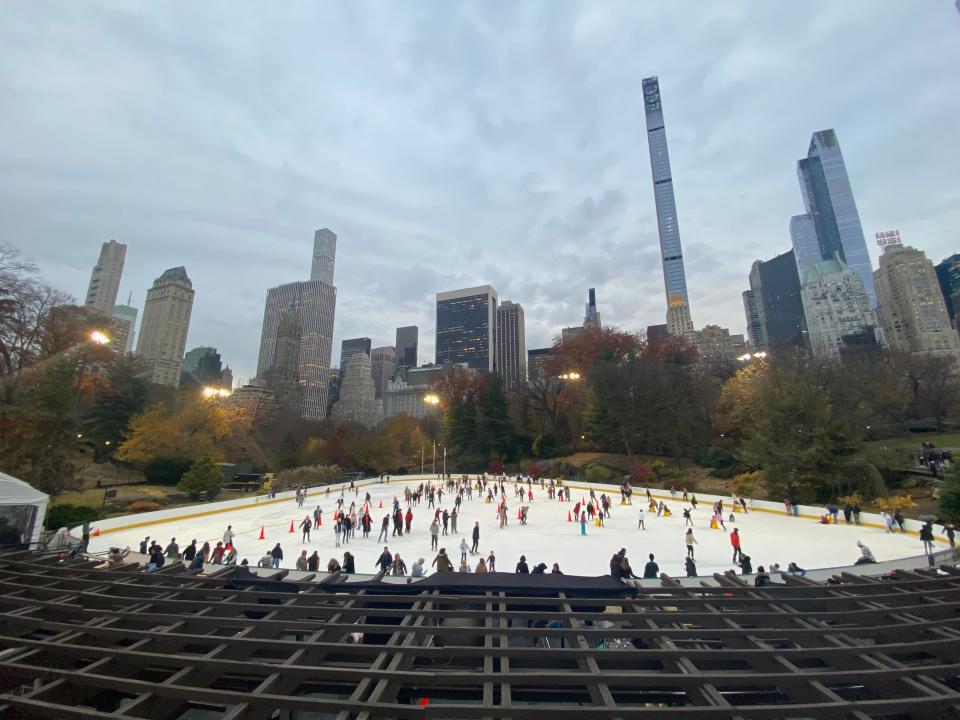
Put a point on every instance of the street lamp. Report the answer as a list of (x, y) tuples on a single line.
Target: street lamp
[(209, 392), (570, 376), (98, 337), (433, 400)]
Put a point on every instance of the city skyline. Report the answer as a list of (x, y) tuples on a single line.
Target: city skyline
[(492, 187)]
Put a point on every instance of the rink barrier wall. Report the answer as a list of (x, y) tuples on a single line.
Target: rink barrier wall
[(160, 517)]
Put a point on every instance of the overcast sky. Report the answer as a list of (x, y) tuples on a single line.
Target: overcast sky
[(456, 144)]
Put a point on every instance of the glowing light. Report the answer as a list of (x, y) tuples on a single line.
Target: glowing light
[(99, 338), (431, 399), (209, 392)]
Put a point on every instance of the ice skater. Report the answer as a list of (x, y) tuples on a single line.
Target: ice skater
[(690, 542), (640, 525)]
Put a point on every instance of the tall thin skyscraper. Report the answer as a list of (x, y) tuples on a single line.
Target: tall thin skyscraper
[(591, 316), (105, 278), (675, 280), (466, 327), (511, 344), (166, 321), (324, 255), (406, 346), (831, 211), (314, 302)]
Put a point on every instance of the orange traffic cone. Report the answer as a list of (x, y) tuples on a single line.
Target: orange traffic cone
[(380, 506), (96, 532), (291, 526), (569, 519), (261, 533)]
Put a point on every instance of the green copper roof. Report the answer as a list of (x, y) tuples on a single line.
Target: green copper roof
[(177, 273)]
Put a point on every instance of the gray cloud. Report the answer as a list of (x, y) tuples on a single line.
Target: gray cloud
[(451, 144)]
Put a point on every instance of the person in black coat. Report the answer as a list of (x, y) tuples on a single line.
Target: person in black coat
[(522, 567), (348, 565), (651, 571)]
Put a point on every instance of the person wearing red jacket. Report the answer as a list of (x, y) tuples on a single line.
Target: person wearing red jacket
[(735, 543), (408, 518)]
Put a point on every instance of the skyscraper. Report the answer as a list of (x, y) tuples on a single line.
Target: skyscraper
[(535, 360), (910, 305), (591, 317), (675, 280), (357, 401), (776, 294), (406, 345), (948, 275), (314, 302), (382, 367), (166, 320), (283, 377), (351, 347), (105, 278), (466, 327), (806, 246), (831, 212), (324, 256), (121, 329), (511, 359), (753, 308), (835, 306)]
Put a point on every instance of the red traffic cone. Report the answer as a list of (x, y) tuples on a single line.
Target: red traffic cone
[(319, 520), (380, 506), (519, 516), (261, 533), (96, 532), (291, 526), (569, 519)]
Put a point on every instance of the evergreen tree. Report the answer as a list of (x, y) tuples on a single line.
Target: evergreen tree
[(204, 476), (496, 429), (126, 397), (949, 500), (460, 426)]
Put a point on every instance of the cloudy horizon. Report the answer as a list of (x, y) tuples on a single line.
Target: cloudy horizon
[(458, 144)]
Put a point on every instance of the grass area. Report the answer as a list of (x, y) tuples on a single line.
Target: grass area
[(166, 495), (948, 441)]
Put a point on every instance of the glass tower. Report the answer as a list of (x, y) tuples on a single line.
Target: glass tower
[(466, 327), (675, 280), (832, 209)]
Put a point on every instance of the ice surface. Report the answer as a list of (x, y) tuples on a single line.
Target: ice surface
[(767, 537)]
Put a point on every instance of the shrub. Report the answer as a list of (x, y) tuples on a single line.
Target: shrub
[(595, 473), (144, 506), (59, 516), (306, 476), (165, 470), (204, 477), (746, 484), (535, 471), (949, 500), (895, 502), (495, 467)]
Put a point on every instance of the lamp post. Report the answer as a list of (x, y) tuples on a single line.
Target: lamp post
[(434, 469), (421, 461), (432, 400), (96, 337), (444, 461)]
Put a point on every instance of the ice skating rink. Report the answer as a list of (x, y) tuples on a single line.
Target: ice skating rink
[(766, 536)]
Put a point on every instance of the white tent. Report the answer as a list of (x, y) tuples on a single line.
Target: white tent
[(23, 507)]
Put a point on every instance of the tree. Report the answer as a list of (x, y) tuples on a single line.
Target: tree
[(124, 397), (38, 431), (949, 500), (495, 427), (460, 426), (204, 476), (165, 470)]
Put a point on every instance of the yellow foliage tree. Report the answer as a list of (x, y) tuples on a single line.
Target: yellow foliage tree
[(895, 502), (740, 398), (188, 429)]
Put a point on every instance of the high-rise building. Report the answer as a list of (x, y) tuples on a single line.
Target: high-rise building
[(314, 302), (351, 347), (776, 299), (535, 360), (121, 328), (831, 212), (592, 315), (333, 389), (753, 309), (466, 327), (715, 344), (675, 280), (283, 376), (948, 275), (202, 366), (382, 366), (407, 392), (105, 278), (657, 332), (406, 345), (910, 306), (166, 320), (835, 306), (324, 256), (511, 344), (357, 402)]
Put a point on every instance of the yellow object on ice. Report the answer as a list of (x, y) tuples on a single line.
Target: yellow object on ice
[(713, 523)]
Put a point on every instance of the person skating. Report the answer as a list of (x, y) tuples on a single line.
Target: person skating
[(522, 567), (228, 535), (464, 549), (407, 520), (866, 556), (442, 561), (583, 523), (951, 532), (651, 571), (172, 551), (690, 542), (384, 528), (690, 566), (687, 520), (416, 570), (385, 560), (446, 520), (276, 555), (926, 537), (305, 526), (640, 523), (492, 562), (735, 544), (474, 549), (453, 521), (399, 567), (434, 534)]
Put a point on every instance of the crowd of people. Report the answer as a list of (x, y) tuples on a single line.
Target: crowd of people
[(442, 502)]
